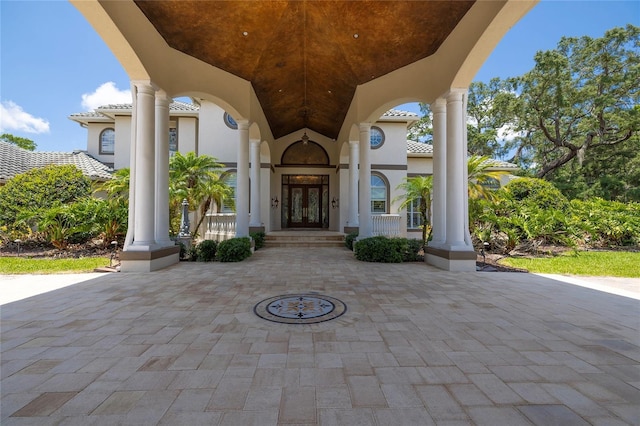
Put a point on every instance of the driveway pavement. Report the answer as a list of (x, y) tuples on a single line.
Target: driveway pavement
[(416, 346)]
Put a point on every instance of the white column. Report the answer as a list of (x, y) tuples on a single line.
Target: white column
[(353, 184), (145, 188), (439, 212), (365, 182), (255, 183), (162, 170), (242, 183), (456, 163)]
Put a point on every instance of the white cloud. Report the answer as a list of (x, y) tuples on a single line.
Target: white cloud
[(106, 94), (14, 118)]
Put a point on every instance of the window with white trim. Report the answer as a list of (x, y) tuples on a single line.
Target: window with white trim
[(414, 218), (107, 141), (379, 194), (231, 179)]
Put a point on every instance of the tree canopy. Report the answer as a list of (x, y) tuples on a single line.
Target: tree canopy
[(23, 143)]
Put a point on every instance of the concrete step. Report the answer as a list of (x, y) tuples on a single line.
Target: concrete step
[(304, 239)]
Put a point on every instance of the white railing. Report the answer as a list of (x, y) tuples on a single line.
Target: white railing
[(220, 226), (386, 224)]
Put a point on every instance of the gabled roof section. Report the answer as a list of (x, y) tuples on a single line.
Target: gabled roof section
[(15, 160), (108, 112), (419, 148), (396, 115)]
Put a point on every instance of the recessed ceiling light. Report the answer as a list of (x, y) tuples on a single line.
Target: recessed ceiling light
[(279, 90), (244, 33), (329, 91), (356, 35)]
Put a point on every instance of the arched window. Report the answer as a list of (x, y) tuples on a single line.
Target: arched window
[(107, 141), (379, 194)]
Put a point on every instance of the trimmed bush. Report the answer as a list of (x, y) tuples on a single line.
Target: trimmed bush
[(258, 238), (206, 250), (234, 250), (381, 249), (348, 240), (412, 254)]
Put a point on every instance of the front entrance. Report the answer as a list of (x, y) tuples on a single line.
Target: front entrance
[(305, 200), (305, 207)]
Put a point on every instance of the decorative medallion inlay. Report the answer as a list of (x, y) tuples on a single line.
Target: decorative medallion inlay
[(300, 308)]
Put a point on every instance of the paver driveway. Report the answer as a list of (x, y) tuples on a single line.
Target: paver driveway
[(416, 346)]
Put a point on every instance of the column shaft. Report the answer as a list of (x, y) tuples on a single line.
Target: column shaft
[(353, 184), (162, 170), (456, 162), (144, 221), (255, 184), (242, 183), (439, 212), (365, 182)]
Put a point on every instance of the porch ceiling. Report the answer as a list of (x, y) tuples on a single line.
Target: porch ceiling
[(306, 58)]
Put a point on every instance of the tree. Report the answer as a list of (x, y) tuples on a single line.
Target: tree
[(490, 116), (41, 188), (23, 143), (418, 188), (422, 130), (480, 177), (579, 104), (196, 178), (117, 187)]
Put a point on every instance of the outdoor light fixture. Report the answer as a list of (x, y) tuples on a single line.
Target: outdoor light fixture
[(335, 202), (114, 249), (305, 138), (274, 203)]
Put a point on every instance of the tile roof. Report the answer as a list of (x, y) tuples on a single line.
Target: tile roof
[(419, 148), (15, 160), (399, 113), (424, 148), (173, 106)]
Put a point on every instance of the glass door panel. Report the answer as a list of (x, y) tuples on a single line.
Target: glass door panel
[(297, 205), (313, 206)]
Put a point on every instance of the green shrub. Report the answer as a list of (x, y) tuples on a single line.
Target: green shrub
[(234, 250), (348, 240), (206, 250), (258, 238), (607, 223), (193, 253), (538, 192), (41, 188), (412, 254), (381, 249)]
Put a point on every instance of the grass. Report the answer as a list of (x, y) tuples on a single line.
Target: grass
[(588, 263), (25, 265)]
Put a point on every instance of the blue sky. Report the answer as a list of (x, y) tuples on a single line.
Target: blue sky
[(53, 64)]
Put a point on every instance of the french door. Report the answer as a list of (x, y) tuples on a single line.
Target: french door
[(305, 207)]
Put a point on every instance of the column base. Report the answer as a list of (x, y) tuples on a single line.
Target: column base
[(451, 260), (257, 228), (351, 229), (148, 261)]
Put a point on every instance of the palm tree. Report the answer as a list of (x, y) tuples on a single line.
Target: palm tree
[(118, 186), (479, 176), (418, 188), (196, 178)]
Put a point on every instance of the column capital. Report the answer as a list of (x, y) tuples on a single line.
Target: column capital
[(456, 94), (145, 86), (255, 142), (439, 105), (353, 144), (162, 99), (364, 127), (243, 124)]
